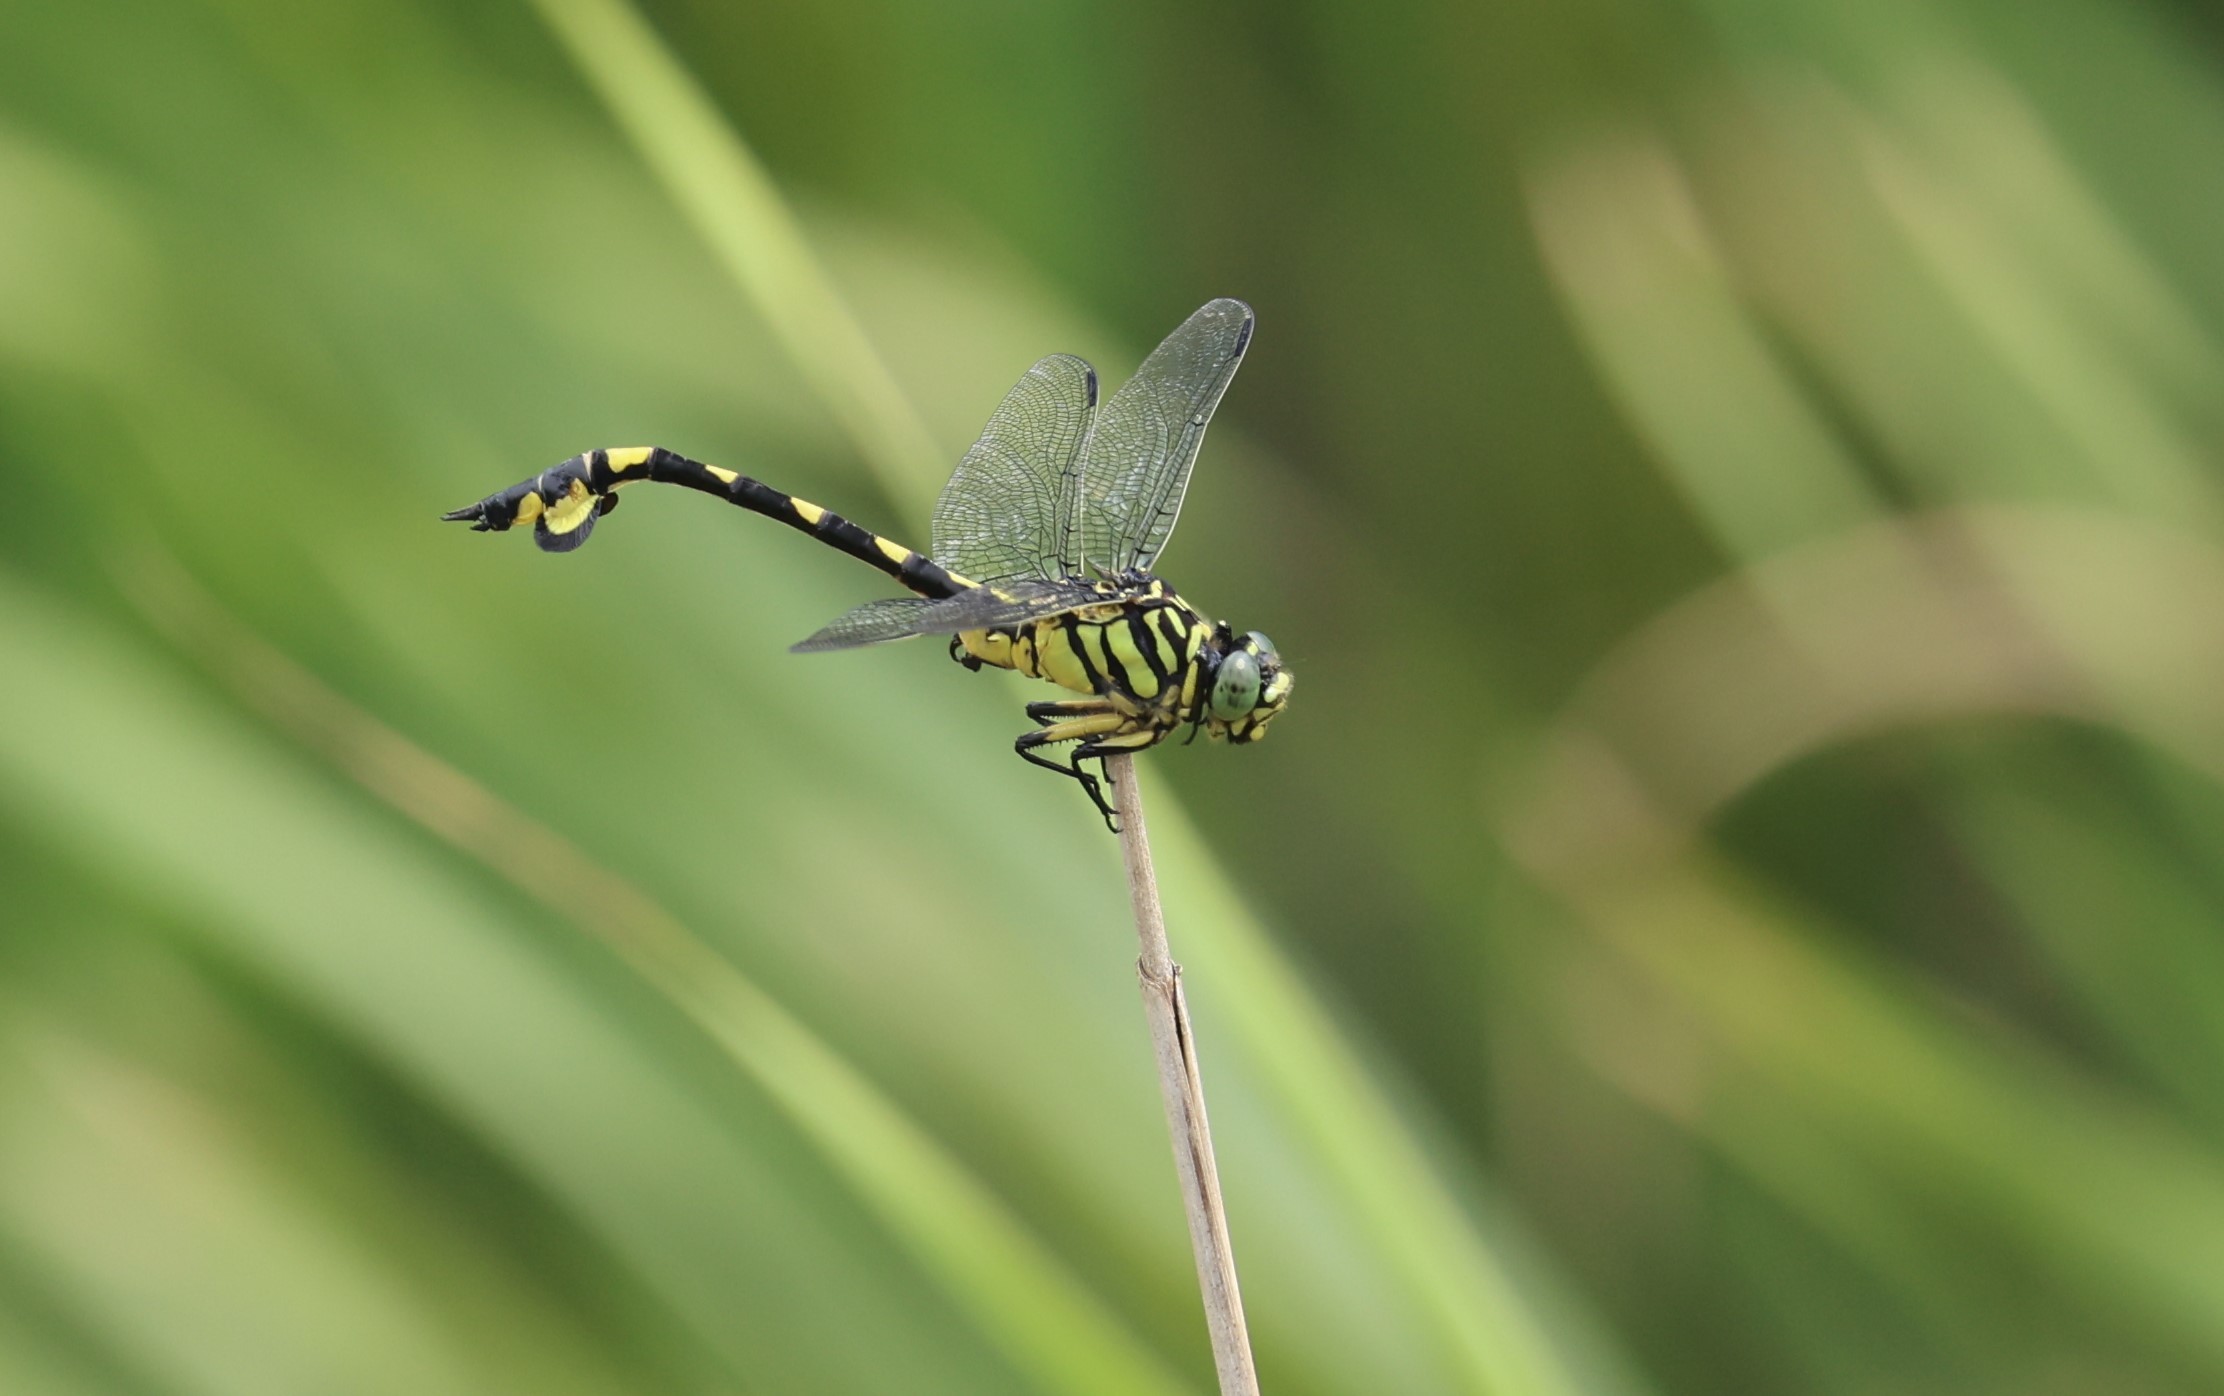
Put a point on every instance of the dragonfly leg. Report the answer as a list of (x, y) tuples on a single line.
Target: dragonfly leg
[(1059, 710), (1136, 739), (1093, 720)]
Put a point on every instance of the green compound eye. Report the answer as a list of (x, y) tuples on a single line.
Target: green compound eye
[(1235, 689), (1266, 646)]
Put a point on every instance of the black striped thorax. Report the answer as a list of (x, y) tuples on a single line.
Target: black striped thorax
[(1140, 641)]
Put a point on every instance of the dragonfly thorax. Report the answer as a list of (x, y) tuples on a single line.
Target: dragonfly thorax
[(1132, 642), (1127, 637)]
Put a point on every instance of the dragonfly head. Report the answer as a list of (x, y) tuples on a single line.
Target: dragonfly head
[(1249, 687)]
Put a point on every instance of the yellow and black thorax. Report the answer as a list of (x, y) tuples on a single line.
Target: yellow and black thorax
[(1130, 636)]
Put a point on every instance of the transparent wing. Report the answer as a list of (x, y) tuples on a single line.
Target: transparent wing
[(1136, 468), (1004, 605), (1008, 509), (894, 618)]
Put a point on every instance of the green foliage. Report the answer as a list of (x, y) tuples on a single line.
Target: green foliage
[(1732, 906)]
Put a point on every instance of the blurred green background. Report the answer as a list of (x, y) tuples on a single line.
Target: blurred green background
[(1734, 907)]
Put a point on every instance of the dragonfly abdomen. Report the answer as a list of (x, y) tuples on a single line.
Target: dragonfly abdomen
[(563, 502)]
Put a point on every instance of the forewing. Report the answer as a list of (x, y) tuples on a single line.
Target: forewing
[(1005, 605), (1008, 508), (1136, 467)]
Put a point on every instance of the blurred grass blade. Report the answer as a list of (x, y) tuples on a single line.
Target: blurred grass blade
[(2021, 611), (2070, 867), (129, 775), (1623, 234), (2015, 610), (718, 184), (2030, 326), (1041, 1314), (2103, 1199), (1498, 1330)]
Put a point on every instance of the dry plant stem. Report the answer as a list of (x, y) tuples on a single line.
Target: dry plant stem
[(1168, 1013)]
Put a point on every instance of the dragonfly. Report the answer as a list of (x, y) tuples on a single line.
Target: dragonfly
[(1042, 550)]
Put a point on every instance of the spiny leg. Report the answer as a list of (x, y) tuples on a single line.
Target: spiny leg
[(1077, 720), (1052, 710), (1131, 740)]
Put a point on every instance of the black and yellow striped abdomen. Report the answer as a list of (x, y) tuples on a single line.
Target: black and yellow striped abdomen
[(563, 502)]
